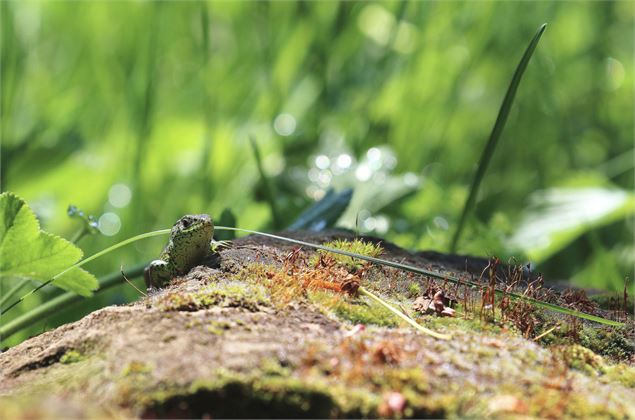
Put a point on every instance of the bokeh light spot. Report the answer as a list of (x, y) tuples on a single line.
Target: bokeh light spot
[(119, 195), (441, 223), (324, 178), (376, 23), (370, 224), (373, 154), (614, 74), (284, 124), (381, 224), (109, 224), (405, 38), (322, 162), (344, 161), (363, 172), (410, 179)]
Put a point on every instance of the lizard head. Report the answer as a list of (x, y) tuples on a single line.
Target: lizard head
[(193, 230)]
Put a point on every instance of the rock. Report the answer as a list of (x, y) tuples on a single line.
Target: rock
[(245, 339)]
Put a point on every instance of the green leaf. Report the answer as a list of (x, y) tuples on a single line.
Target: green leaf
[(324, 213), (557, 216), (28, 252), (374, 197)]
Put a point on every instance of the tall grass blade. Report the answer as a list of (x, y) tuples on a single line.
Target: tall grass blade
[(15, 289), (145, 103), (206, 149), (490, 147)]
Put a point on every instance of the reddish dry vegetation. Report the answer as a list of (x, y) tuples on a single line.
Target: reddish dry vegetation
[(299, 275)]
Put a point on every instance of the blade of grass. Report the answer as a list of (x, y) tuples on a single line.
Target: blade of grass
[(11, 65), (497, 130), (401, 315), (7, 296), (549, 331), (275, 214), (145, 104), (445, 277), (206, 150), (63, 301)]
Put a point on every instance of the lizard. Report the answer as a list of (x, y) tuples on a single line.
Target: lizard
[(191, 241)]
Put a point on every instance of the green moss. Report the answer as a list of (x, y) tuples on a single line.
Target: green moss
[(72, 356), (277, 285), (356, 246), (460, 323), (193, 323), (610, 342), (314, 392), (133, 383), (222, 294), (57, 407), (276, 391), (270, 389), (580, 358), (362, 313), (218, 327), (136, 368), (357, 311), (236, 396), (253, 272), (552, 403), (620, 373), (414, 290), (271, 367)]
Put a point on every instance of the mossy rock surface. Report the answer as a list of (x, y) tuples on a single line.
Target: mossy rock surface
[(224, 341)]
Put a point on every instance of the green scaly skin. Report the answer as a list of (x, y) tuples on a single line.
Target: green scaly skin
[(190, 243)]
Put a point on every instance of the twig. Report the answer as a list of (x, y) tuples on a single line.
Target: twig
[(549, 331), (410, 321), (131, 283)]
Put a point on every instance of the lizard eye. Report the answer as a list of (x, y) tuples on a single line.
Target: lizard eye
[(186, 223)]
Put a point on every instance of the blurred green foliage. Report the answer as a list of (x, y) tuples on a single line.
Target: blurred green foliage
[(139, 112)]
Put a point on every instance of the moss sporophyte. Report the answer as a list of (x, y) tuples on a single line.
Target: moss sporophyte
[(191, 240)]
